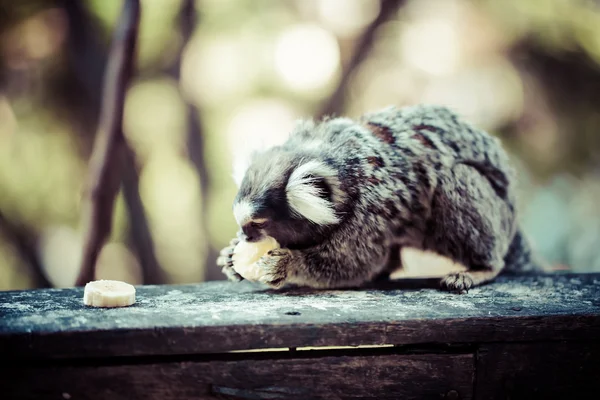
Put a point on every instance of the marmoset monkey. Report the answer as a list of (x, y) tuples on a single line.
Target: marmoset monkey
[(341, 198)]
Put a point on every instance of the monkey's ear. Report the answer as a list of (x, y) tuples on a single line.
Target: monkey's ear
[(312, 191)]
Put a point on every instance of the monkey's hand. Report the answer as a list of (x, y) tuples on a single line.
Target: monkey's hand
[(225, 261), (275, 266)]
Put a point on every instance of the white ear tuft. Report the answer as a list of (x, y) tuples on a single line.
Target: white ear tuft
[(304, 197)]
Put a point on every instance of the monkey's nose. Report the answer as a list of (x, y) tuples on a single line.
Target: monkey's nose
[(251, 233)]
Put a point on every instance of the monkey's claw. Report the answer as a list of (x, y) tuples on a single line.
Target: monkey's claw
[(459, 282), (225, 261), (274, 266)]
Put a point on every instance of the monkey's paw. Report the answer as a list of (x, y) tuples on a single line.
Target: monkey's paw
[(459, 282), (225, 261), (275, 267)]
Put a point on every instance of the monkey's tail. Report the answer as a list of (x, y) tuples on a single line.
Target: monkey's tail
[(521, 259)]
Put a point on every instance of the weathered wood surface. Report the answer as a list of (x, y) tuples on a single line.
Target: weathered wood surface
[(218, 317), (414, 376)]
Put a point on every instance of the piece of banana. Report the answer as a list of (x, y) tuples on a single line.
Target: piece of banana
[(106, 293), (245, 256)]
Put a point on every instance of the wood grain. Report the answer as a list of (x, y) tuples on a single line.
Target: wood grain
[(556, 370), (427, 376), (218, 317)]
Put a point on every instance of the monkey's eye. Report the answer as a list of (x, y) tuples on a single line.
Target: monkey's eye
[(258, 225)]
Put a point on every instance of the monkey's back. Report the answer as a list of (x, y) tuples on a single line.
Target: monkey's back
[(437, 135), (390, 161)]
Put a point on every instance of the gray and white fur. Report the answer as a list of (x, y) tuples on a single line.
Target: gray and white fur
[(342, 197)]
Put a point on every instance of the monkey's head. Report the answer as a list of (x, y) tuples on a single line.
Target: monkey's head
[(291, 197)]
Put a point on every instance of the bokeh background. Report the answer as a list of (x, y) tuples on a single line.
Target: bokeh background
[(526, 71)]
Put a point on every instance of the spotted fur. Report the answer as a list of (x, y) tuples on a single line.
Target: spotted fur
[(342, 197)]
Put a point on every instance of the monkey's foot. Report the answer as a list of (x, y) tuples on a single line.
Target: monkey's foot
[(225, 261), (459, 282), (274, 266)]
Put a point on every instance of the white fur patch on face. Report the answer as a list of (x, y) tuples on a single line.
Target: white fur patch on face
[(303, 197), (242, 211)]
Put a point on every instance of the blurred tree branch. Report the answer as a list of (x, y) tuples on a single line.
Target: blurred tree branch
[(80, 84), (187, 20), (195, 144), (335, 103), (88, 57), (570, 86), (140, 235), (24, 242), (107, 155)]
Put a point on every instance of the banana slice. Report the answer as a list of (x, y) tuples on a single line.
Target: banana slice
[(105, 293), (245, 256)]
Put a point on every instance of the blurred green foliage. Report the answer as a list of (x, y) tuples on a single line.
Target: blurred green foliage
[(528, 71)]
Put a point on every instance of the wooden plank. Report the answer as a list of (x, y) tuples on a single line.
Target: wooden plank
[(416, 376), (538, 371), (220, 316)]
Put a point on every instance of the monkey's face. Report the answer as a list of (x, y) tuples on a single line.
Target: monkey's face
[(288, 230), (289, 198)]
